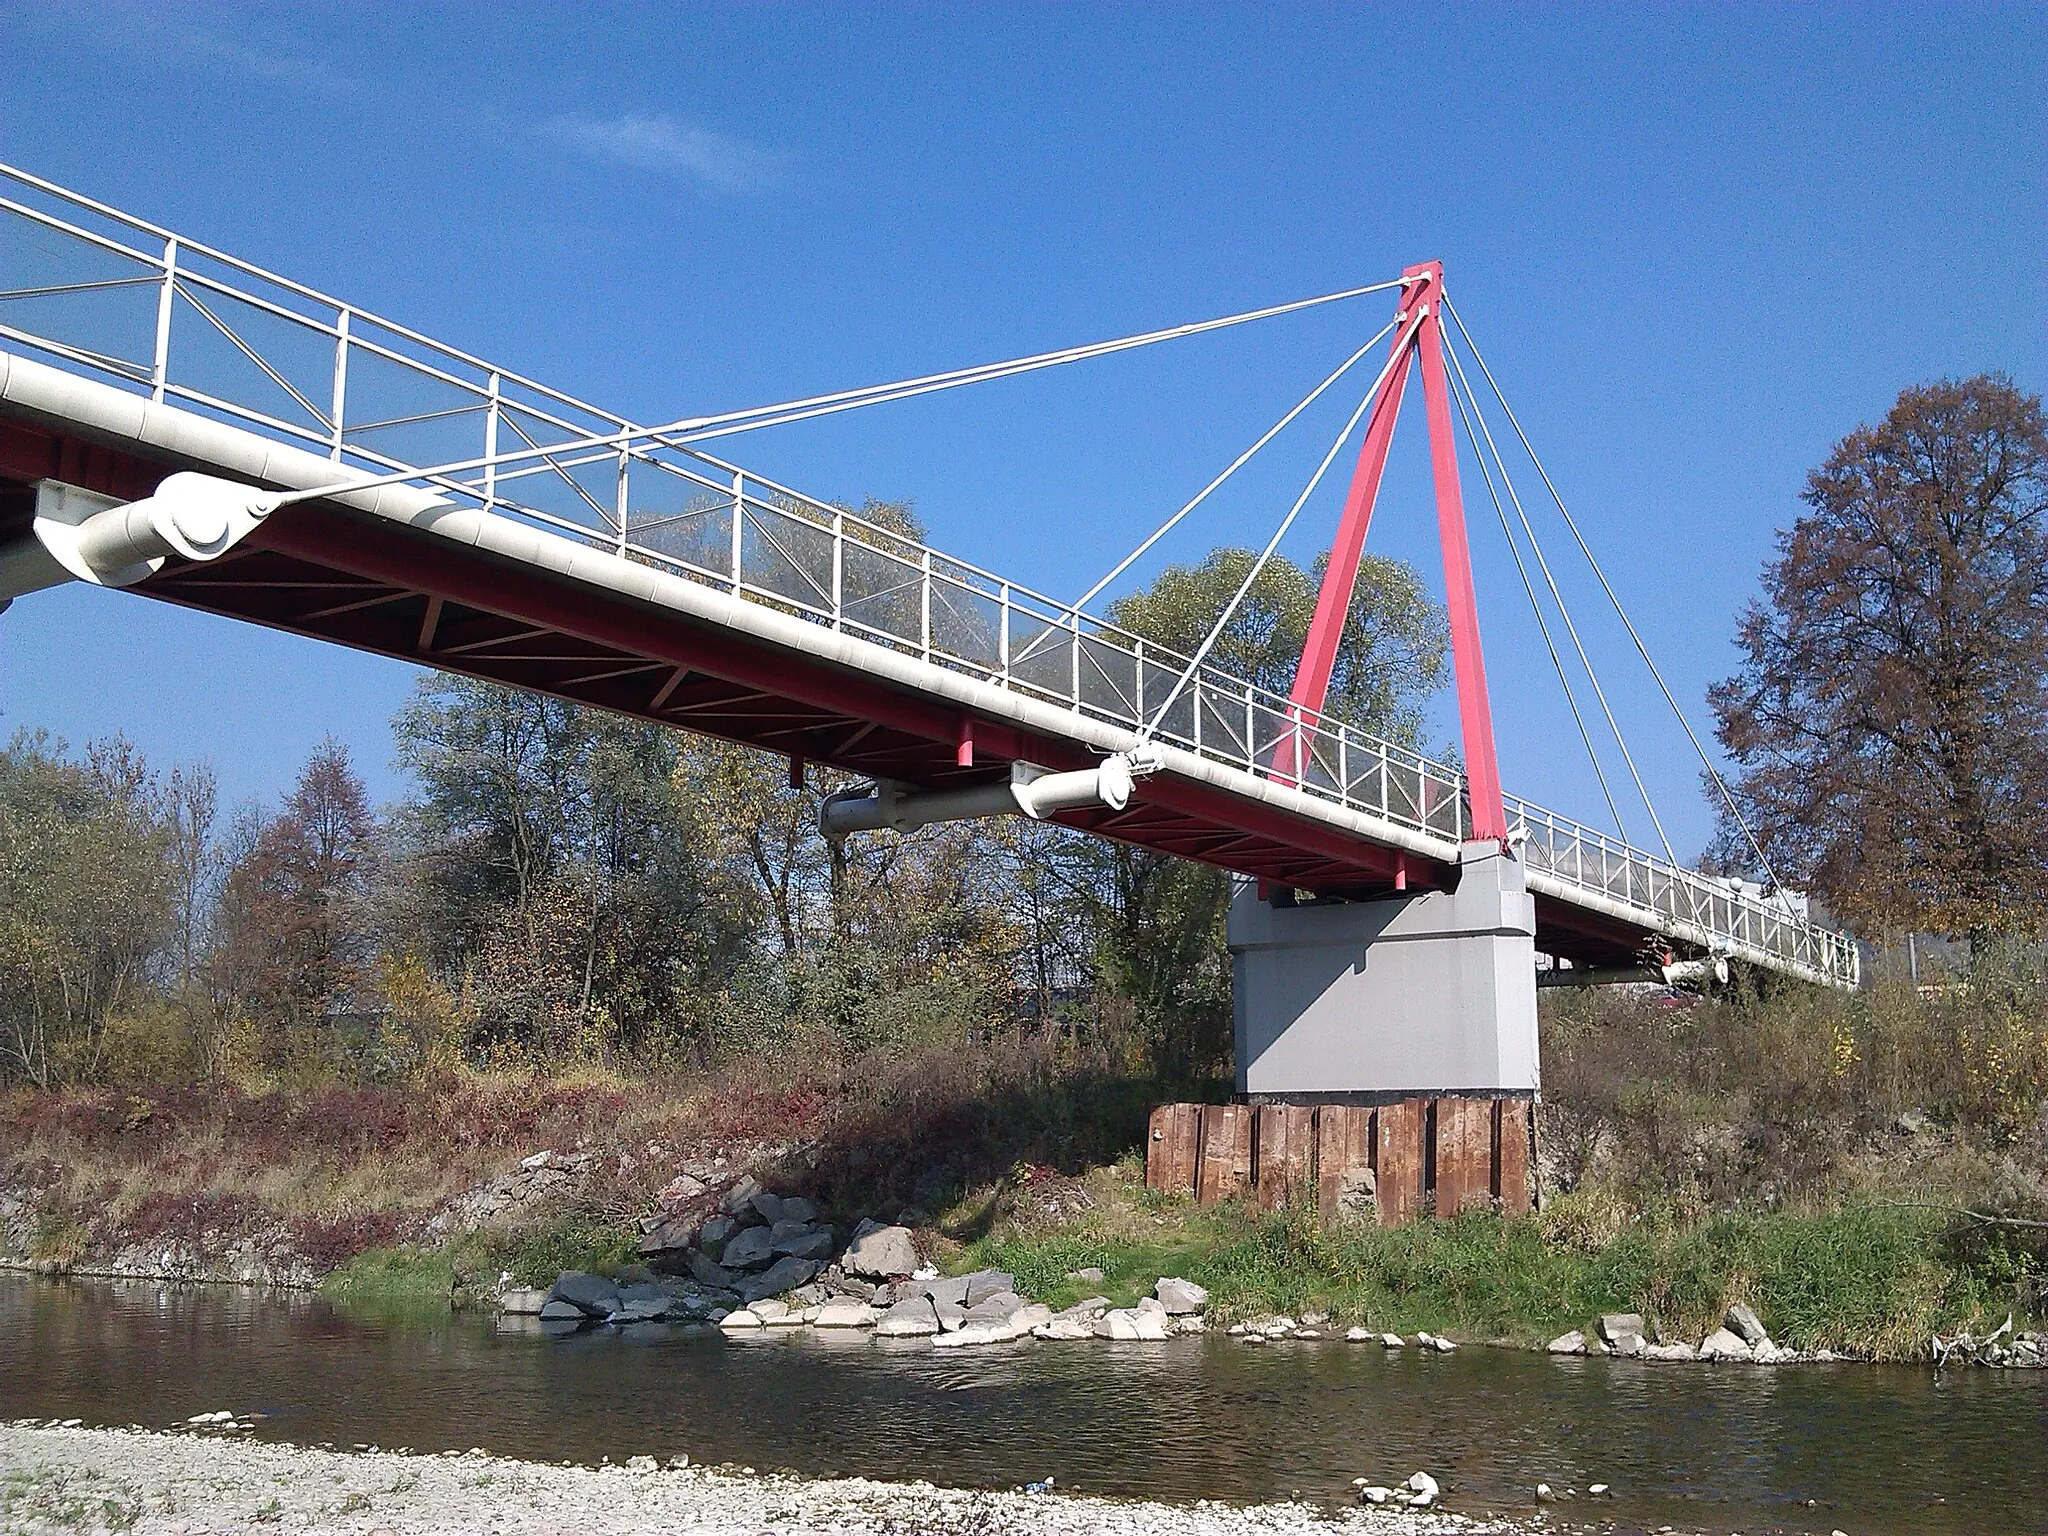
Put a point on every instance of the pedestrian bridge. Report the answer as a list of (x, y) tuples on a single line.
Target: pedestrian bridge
[(557, 546)]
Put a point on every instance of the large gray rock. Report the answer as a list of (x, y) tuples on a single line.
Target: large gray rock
[(751, 1249), (739, 1194), (1129, 1324), (668, 1234), (641, 1309), (984, 1283), (952, 1290), (715, 1231), (1573, 1343), (562, 1312), (1615, 1326), (996, 1307), (1088, 1307), (804, 1242), (522, 1301), (846, 1314), (911, 1317), (1013, 1324), (880, 1252), (1742, 1319), (593, 1295), (796, 1208), (1180, 1297), (768, 1207), (1067, 1328), (1724, 1344), (710, 1272), (785, 1274)]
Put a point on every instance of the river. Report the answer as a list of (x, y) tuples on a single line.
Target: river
[(1715, 1449)]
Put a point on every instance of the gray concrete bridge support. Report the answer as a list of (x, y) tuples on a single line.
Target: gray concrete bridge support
[(1431, 993)]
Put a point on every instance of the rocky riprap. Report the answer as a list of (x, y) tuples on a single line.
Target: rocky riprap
[(746, 1259), (2001, 1348), (537, 1182), (1743, 1338)]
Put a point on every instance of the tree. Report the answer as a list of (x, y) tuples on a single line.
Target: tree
[(551, 855), (294, 938), (1890, 720), (88, 901), (1158, 920), (1390, 660)]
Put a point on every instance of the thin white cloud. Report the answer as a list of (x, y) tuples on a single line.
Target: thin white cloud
[(716, 161)]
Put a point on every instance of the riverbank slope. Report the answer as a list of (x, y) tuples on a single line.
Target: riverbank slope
[(1804, 1155)]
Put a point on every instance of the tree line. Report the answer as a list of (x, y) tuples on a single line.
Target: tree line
[(565, 887)]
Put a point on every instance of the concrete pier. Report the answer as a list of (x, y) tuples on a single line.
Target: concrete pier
[(1368, 1002)]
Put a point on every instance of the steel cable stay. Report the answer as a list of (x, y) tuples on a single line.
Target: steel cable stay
[(1456, 372), (757, 417), (1399, 356), (1536, 547), (1204, 493), (686, 430), (1706, 761), (1457, 394)]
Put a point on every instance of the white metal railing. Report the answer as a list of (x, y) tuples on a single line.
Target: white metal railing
[(98, 290)]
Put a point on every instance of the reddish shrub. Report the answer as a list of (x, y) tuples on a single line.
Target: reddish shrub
[(327, 1242)]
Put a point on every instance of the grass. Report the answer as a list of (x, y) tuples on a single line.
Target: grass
[(400, 1276), (1871, 1281), (539, 1256)]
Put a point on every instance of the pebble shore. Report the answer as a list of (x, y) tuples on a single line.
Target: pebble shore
[(72, 1479)]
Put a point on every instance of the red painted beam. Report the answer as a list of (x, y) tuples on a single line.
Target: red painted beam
[(1475, 714)]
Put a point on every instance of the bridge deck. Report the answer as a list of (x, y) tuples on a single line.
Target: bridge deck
[(663, 582)]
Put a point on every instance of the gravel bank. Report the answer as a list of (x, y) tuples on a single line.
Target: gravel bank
[(72, 1480)]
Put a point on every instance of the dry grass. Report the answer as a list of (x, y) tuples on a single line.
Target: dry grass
[(341, 1169)]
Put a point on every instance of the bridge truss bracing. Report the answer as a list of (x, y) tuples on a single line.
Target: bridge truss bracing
[(638, 571)]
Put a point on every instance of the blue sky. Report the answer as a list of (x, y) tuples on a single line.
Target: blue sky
[(1698, 246)]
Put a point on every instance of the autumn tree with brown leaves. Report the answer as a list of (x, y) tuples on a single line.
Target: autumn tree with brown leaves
[(292, 946), (1890, 720)]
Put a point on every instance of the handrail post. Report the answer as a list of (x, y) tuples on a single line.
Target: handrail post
[(1074, 662), (160, 367), (620, 501), (491, 444), (339, 407), (739, 524), (838, 568), (1003, 636), (924, 618)]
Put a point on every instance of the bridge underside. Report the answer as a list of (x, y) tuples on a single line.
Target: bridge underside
[(322, 570)]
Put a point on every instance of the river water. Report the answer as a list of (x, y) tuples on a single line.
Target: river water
[(1716, 1449)]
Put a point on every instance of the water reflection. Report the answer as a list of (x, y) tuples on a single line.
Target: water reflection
[(1716, 1449)]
